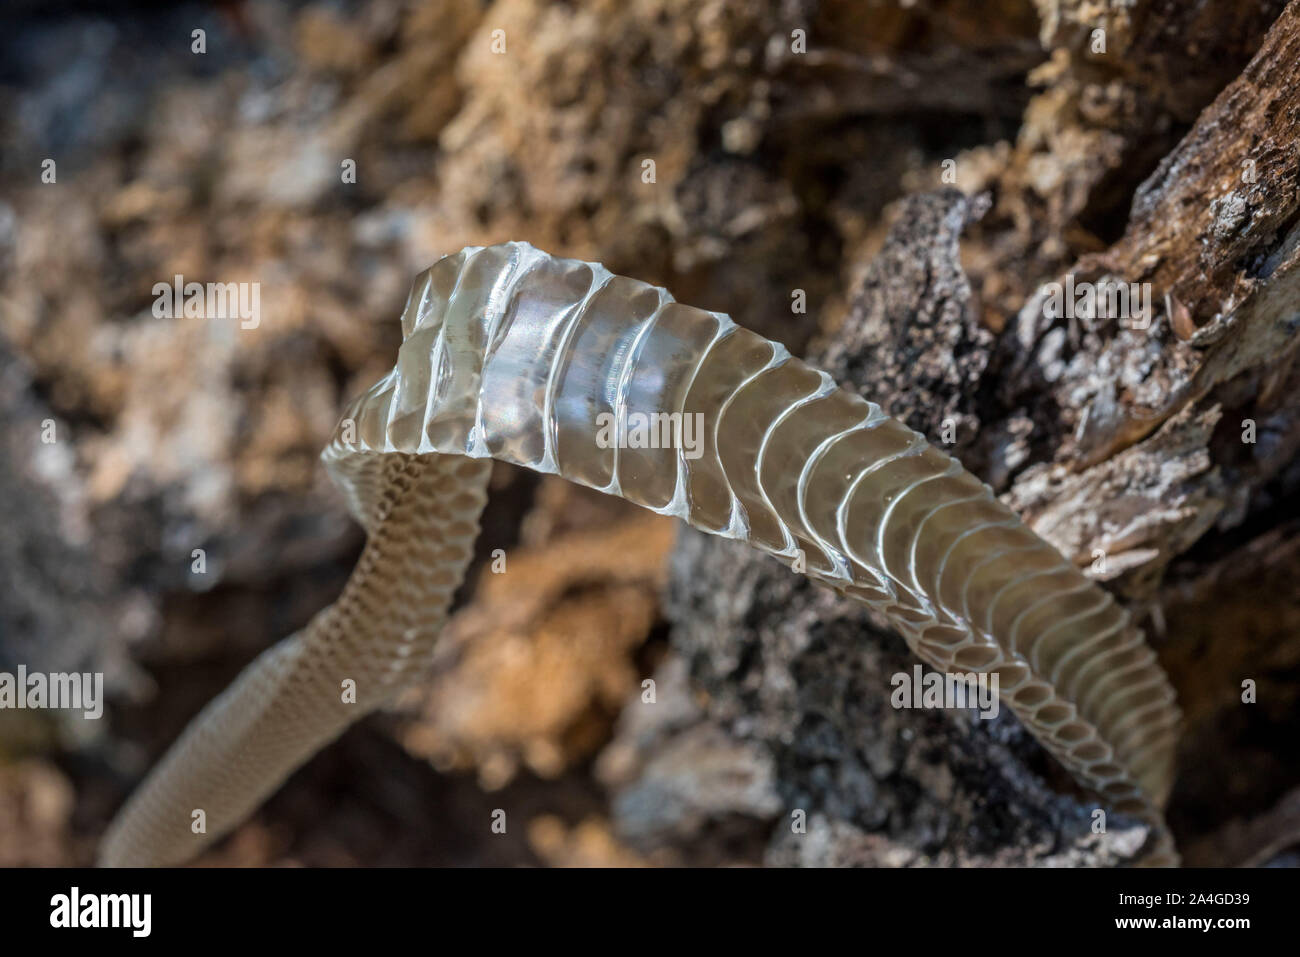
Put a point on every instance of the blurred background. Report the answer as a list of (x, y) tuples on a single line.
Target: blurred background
[(774, 169)]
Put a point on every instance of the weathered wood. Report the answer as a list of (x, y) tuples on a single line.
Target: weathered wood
[(1122, 442)]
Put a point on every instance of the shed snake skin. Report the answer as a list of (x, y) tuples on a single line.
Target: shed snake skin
[(511, 354)]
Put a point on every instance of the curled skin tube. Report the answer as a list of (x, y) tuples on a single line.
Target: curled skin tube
[(561, 367)]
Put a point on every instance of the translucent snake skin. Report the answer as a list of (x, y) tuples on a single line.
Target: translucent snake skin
[(512, 354)]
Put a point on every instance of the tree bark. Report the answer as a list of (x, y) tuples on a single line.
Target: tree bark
[(1152, 450)]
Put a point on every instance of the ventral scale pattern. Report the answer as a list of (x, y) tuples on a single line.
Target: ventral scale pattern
[(549, 363)]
